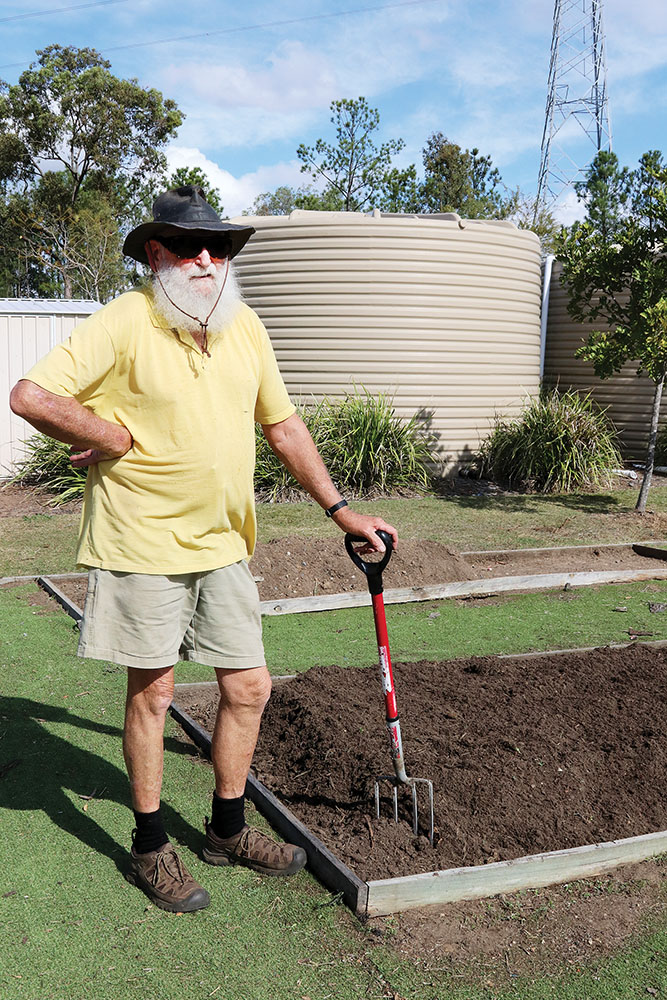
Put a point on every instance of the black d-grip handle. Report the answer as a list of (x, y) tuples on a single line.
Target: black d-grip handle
[(372, 570)]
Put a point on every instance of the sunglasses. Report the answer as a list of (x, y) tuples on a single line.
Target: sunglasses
[(189, 247)]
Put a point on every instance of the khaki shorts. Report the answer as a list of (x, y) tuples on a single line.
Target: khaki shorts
[(142, 620)]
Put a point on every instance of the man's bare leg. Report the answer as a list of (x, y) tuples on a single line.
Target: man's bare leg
[(155, 867), (243, 696), (149, 694)]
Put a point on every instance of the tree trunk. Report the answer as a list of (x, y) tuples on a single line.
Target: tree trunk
[(650, 453)]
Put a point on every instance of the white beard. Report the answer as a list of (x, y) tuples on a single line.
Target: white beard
[(182, 287)]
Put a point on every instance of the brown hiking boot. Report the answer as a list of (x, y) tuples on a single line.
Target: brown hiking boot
[(166, 881), (254, 850)]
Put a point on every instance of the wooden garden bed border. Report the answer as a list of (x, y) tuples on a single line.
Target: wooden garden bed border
[(462, 588), (408, 595), (380, 897)]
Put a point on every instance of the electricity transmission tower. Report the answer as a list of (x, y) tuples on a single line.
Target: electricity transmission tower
[(576, 98)]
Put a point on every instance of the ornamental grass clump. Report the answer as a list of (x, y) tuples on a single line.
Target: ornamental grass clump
[(46, 465), (368, 450), (561, 442), (273, 482)]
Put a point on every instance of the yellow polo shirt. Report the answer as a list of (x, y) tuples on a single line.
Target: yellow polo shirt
[(181, 500)]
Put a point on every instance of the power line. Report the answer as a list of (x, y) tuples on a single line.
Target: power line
[(59, 10), (250, 27), (269, 24)]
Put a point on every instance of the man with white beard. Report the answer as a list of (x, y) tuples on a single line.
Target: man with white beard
[(158, 394)]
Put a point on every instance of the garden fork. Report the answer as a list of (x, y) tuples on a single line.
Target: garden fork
[(373, 573)]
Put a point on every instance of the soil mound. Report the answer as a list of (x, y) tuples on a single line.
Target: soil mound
[(302, 567)]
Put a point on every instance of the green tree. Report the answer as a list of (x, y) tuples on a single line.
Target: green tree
[(328, 200), (615, 268), (77, 142), (197, 178), (282, 201), (605, 193), (529, 214), (463, 181), (353, 168), (402, 191), (51, 249), (68, 108)]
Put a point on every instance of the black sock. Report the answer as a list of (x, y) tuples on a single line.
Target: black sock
[(227, 816), (150, 834)]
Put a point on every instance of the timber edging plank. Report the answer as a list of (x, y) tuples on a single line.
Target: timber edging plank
[(72, 610), (651, 551), (461, 588), (530, 872)]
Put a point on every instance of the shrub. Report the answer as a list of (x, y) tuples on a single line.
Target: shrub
[(660, 457), (562, 442), (47, 465), (368, 450)]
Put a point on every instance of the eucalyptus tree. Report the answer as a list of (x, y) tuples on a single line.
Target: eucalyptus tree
[(74, 137)]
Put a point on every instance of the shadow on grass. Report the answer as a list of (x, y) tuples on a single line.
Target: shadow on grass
[(38, 768), (594, 503)]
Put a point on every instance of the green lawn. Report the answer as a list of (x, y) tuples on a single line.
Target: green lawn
[(443, 630), (72, 928)]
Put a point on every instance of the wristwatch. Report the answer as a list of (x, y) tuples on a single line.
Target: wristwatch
[(330, 511)]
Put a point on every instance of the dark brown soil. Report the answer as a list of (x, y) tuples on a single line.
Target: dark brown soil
[(298, 567), (525, 755)]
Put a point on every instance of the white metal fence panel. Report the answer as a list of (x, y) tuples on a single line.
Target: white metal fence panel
[(28, 331)]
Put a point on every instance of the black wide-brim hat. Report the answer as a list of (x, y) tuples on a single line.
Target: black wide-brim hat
[(183, 210)]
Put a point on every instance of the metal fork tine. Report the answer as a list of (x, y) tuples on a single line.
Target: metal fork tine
[(415, 816), (413, 782)]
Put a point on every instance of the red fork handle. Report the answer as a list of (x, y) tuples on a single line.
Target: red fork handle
[(388, 689)]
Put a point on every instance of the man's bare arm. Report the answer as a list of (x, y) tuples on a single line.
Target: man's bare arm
[(65, 419), (292, 443)]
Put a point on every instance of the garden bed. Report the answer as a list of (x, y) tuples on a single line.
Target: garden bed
[(527, 755)]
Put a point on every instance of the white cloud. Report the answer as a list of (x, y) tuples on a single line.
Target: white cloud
[(237, 193), (281, 94), (292, 78), (501, 68)]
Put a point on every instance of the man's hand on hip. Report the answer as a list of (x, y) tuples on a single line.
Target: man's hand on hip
[(82, 457), (93, 439), (91, 456)]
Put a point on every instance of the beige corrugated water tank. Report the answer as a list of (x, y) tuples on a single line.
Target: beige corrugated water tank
[(440, 312), (627, 398)]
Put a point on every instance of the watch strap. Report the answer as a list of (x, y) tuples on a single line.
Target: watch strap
[(330, 511)]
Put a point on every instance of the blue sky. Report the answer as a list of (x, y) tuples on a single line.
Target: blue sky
[(256, 79)]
